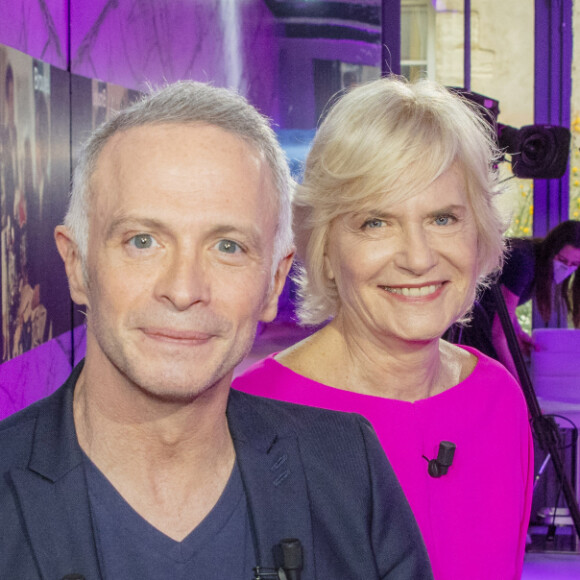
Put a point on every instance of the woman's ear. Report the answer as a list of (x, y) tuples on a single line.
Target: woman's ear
[(328, 271), (73, 264)]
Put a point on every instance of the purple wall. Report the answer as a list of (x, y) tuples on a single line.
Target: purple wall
[(127, 44), (135, 42), (297, 94), (38, 28)]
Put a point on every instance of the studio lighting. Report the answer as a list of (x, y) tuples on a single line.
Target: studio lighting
[(537, 151)]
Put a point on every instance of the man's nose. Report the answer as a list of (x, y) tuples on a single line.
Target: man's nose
[(184, 280)]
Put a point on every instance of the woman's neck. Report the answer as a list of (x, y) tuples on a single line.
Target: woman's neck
[(390, 368)]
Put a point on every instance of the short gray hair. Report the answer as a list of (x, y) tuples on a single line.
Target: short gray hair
[(186, 102)]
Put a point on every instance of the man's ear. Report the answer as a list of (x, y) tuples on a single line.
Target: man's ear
[(271, 305), (69, 252)]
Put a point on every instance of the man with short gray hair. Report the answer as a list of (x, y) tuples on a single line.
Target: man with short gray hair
[(144, 465)]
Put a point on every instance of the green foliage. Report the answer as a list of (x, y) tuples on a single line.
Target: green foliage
[(524, 314), (522, 222), (574, 169)]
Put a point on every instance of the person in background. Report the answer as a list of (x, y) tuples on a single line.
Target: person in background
[(538, 269), (144, 465), (396, 227)]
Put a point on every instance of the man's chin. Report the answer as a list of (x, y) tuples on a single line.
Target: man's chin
[(176, 396), (178, 390)]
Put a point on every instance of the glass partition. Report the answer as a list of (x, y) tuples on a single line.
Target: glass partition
[(575, 128)]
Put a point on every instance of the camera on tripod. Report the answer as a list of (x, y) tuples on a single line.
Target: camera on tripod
[(537, 151)]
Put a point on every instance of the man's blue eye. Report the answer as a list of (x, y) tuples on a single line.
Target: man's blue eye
[(142, 241), (228, 246)]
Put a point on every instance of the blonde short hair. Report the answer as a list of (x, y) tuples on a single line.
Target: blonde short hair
[(391, 138)]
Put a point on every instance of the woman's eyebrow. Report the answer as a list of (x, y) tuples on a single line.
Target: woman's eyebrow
[(452, 208)]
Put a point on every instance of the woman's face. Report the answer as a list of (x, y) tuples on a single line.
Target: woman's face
[(406, 271), (565, 263)]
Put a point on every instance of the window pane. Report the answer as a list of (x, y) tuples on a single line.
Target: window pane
[(575, 128), (502, 67), (414, 71), (449, 42), (414, 32)]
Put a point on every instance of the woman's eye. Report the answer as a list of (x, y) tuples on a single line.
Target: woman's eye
[(374, 223), (444, 220), (143, 241), (228, 246)]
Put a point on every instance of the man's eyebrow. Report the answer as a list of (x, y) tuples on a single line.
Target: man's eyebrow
[(250, 234), (124, 221)]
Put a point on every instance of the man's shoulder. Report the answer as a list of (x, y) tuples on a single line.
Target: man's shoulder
[(17, 431), (292, 415), (16, 435), (320, 431)]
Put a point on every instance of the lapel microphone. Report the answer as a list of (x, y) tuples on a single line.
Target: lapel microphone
[(289, 561), (288, 554), (438, 467)]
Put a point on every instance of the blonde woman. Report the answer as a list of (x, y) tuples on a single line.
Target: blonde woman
[(396, 228)]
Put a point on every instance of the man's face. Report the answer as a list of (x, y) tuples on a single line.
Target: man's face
[(181, 234)]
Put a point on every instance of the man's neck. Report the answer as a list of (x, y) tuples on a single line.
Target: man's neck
[(169, 461)]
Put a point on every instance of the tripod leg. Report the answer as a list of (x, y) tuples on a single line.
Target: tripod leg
[(541, 470), (541, 426)]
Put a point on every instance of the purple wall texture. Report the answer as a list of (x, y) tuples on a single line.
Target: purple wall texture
[(134, 42), (120, 45), (131, 43), (38, 28)]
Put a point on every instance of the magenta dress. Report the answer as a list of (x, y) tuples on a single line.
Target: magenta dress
[(474, 519)]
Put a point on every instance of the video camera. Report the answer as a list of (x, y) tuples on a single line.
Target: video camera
[(537, 151)]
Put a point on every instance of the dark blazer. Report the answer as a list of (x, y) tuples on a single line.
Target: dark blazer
[(310, 474)]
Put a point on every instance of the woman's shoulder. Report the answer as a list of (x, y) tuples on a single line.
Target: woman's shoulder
[(492, 375)]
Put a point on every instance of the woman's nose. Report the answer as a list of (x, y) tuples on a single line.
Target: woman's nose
[(416, 253)]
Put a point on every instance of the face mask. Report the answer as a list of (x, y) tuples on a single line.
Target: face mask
[(562, 271)]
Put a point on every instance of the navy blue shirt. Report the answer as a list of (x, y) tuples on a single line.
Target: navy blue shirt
[(129, 548)]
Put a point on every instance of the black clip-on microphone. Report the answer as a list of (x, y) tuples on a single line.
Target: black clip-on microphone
[(288, 555), (289, 561), (438, 467)]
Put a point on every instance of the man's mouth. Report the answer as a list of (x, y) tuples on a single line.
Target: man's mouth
[(413, 291), (173, 335)]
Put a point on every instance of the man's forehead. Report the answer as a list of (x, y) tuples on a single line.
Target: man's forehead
[(183, 132), (144, 141), (192, 151)]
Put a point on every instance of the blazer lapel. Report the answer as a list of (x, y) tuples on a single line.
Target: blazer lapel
[(55, 507), (273, 475), (53, 494), (57, 519)]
